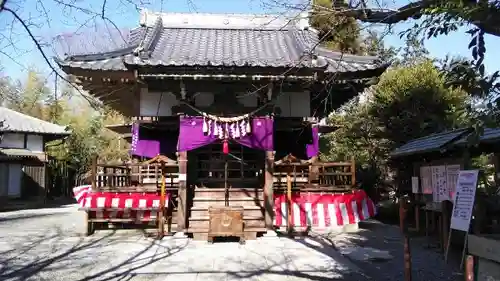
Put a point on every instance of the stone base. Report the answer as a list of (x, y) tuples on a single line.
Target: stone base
[(180, 235), (350, 228), (270, 233)]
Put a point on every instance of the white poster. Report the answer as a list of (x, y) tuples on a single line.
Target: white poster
[(464, 200), (426, 179), (414, 185), (451, 180), (439, 188)]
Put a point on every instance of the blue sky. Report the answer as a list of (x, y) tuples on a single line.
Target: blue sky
[(52, 19)]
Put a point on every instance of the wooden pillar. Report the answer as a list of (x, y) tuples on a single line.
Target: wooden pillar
[(446, 209), (268, 190), (313, 170), (469, 268), (93, 172), (496, 162), (353, 172), (403, 223), (182, 198)]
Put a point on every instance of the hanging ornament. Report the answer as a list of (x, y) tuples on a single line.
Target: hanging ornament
[(209, 129), (205, 125), (225, 147), (233, 128), (226, 127), (220, 129), (243, 127), (248, 128), (216, 128)]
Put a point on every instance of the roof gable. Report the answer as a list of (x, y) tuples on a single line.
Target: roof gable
[(226, 21), (17, 122), (223, 40), (445, 140)]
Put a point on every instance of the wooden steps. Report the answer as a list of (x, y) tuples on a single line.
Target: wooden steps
[(201, 234), (251, 211), (251, 200)]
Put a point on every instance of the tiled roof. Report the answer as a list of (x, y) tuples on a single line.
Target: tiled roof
[(222, 40), (431, 143), (20, 153), (14, 121), (488, 135), (437, 142)]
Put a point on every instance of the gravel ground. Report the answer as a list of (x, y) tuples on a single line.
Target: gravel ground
[(48, 244), (427, 262)]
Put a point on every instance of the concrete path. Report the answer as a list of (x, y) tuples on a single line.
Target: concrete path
[(47, 244)]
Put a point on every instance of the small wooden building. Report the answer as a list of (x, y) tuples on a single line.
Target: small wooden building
[(23, 159), (225, 96), (433, 162)]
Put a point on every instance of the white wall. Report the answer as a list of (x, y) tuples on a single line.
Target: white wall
[(294, 104), (204, 99), (11, 140), (35, 143), (14, 187), (247, 100), (156, 103)]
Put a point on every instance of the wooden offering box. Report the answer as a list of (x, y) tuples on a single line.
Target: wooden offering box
[(226, 222)]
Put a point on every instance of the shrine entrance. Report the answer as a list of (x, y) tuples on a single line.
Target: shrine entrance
[(226, 180), (241, 167)]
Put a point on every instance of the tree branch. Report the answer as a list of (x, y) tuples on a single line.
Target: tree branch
[(485, 16)]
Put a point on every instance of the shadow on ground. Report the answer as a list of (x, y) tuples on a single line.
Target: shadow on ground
[(51, 257), (427, 258), (34, 204)]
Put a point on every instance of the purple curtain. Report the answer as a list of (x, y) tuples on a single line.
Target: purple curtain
[(262, 136), (150, 144), (313, 149), (191, 134)]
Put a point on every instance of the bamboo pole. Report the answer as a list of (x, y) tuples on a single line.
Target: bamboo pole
[(93, 172), (289, 202), (161, 222)]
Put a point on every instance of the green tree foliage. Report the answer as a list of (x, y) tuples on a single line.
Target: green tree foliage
[(66, 107), (337, 33), (409, 108), (374, 46), (399, 108), (440, 18)]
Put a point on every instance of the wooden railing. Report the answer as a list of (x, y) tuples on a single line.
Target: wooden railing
[(134, 177), (317, 176)]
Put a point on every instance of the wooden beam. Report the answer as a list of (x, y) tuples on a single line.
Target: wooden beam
[(182, 198), (100, 75), (268, 190)]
